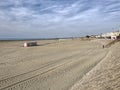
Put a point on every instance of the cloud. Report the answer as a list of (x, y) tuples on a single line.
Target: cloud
[(58, 16)]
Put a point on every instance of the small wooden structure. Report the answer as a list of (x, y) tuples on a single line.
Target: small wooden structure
[(28, 44)]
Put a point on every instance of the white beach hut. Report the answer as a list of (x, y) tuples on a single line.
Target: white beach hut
[(28, 44)]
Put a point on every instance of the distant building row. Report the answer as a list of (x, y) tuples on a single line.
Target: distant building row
[(111, 35)]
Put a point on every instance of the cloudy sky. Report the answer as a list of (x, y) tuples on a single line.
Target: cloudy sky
[(57, 18)]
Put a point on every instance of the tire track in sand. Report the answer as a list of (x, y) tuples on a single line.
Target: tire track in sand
[(25, 79)]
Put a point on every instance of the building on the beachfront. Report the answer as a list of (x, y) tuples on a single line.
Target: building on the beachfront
[(111, 35), (93, 36)]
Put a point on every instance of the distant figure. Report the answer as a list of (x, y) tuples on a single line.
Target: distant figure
[(103, 46)]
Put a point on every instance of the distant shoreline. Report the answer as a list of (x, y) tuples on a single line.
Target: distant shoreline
[(23, 39)]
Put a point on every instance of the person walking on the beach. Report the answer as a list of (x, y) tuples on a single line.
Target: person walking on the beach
[(103, 46)]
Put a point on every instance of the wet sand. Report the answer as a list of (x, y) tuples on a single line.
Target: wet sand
[(52, 65)]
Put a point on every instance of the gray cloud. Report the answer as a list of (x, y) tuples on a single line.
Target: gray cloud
[(55, 18)]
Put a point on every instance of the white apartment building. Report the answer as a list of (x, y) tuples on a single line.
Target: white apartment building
[(112, 35)]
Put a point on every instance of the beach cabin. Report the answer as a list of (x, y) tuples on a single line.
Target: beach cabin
[(28, 44)]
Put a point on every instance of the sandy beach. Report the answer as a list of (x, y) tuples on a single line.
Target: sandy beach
[(104, 76), (53, 64)]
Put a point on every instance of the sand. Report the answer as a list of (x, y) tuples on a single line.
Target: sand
[(52, 65), (104, 76)]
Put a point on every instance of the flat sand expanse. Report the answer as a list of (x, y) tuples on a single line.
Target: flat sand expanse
[(52, 65)]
